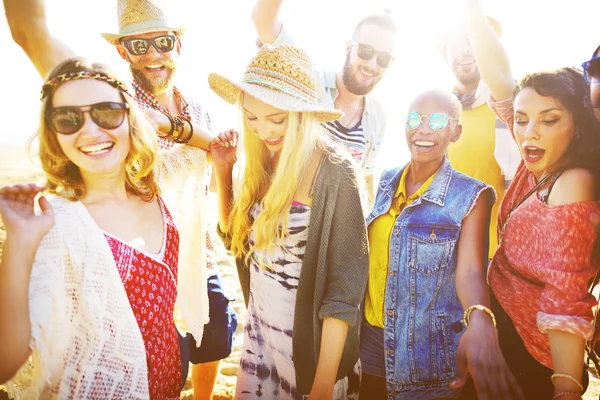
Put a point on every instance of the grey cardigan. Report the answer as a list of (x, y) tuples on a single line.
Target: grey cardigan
[(334, 270)]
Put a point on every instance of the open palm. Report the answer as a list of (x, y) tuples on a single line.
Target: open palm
[(18, 215)]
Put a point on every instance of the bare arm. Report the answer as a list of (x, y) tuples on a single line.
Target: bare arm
[(489, 52), (24, 233), (201, 137), (332, 345), (265, 16), (567, 349), (223, 150), (27, 22), (478, 349)]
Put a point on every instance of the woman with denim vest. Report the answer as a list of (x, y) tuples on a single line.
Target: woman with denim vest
[(428, 236)]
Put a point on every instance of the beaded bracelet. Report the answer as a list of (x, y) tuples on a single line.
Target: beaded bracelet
[(179, 128), (569, 377), (469, 310), (566, 392)]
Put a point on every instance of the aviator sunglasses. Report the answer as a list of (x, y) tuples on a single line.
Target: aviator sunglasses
[(437, 120), (69, 120), (591, 70), (367, 52), (138, 47)]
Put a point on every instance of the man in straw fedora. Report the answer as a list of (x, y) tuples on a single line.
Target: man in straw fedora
[(486, 150), (368, 56), (149, 40)]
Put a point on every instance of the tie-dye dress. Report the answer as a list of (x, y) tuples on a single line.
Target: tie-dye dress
[(266, 366)]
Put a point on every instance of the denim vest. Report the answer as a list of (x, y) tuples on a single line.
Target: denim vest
[(422, 311)]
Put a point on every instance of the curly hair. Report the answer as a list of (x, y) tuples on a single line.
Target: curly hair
[(568, 87), (63, 176)]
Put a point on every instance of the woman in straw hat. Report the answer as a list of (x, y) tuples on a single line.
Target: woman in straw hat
[(90, 284), (297, 231)]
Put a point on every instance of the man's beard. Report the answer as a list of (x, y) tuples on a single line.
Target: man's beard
[(351, 83), (468, 79), (157, 85)]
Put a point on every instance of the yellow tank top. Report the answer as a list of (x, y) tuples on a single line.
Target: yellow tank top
[(473, 155)]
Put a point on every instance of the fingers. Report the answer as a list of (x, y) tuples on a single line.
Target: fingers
[(228, 138), (23, 193), (461, 369), (45, 206)]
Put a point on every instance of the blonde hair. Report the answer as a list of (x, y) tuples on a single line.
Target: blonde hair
[(274, 190), (63, 176)]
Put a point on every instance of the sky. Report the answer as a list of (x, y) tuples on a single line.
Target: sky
[(538, 35)]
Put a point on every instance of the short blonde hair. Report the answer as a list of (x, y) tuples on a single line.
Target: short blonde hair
[(63, 176)]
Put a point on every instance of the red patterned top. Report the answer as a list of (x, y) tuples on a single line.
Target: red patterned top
[(151, 285), (541, 271)]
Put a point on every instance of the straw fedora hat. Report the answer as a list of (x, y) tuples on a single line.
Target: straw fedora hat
[(282, 77), (142, 16)]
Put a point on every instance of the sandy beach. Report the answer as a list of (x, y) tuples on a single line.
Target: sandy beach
[(17, 167)]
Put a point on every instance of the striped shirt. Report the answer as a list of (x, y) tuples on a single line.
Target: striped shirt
[(353, 139)]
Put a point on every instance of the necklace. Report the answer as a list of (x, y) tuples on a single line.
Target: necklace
[(350, 123)]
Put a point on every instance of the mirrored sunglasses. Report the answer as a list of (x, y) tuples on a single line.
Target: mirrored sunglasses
[(138, 47), (367, 52), (591, 70), (68, 120), (437, 121)]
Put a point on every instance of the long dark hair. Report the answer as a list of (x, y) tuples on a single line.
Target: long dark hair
[(570, 89)]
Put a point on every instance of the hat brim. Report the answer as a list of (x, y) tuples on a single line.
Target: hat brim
[(114, 38), (230, 91)]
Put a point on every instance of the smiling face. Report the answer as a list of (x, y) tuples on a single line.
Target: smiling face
[(360, 76), (95, 150), (268, 122), (425, 144), (154, 71), (544, 129), (461, 61)]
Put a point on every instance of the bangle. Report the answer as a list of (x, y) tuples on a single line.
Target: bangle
[(179, 126), (569, 377), (566, 392), (168, 134), (187, 139), (469, 310)]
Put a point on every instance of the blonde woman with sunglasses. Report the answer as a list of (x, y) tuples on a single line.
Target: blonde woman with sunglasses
[(89, 286)]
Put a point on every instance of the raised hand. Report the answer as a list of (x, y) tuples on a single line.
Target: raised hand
[(17, 213), (223, 149)]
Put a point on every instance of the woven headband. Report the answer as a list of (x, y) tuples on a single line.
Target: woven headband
[(54, 82)]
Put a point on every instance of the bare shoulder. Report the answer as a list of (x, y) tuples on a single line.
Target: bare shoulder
[(574, 185)]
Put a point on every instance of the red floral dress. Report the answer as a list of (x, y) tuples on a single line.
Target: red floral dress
[(151, 285)]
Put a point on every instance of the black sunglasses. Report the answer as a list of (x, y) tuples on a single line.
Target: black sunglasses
[(69, 120), (591, 70), (367, 52), (138, 47)]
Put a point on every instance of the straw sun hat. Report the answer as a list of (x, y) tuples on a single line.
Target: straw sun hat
[(142, 16), (280, 76)]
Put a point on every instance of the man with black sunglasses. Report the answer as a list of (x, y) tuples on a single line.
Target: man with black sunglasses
[(150, 42), (368, 55)]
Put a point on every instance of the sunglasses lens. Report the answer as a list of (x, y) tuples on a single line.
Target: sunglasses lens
[(137, 47), (413, 120), (66, 120), (384, 60), (108, 115), (365, 51), (592, 70), (438, 121), (164, 43)]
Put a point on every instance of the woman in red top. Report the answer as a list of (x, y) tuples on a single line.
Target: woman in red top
[(542, 269)]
